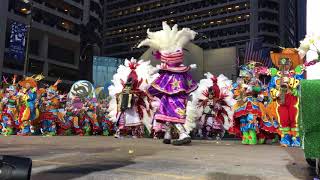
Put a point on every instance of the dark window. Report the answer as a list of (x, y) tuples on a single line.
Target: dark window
[(63, 72), (34, 47), (35, 67), (60, 54)]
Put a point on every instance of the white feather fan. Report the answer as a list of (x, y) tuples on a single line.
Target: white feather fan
[(144, 71), (168, 39), (194, 112)]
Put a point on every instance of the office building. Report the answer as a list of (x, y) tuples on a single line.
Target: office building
[(56, 29), (220, 23)]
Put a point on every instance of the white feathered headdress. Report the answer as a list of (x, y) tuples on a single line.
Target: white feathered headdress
[(143, 69), (194, 111), (169, 39)]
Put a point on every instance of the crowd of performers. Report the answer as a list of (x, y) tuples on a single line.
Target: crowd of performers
[(164, 101), (27, 109)]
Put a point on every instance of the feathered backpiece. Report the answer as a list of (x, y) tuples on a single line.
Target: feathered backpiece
[(142, 73), (168, 39), (223, 91)]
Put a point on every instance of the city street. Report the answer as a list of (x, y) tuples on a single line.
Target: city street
[(99, 158)]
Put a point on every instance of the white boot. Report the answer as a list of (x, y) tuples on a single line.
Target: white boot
[(184, 138), (117, 134), (167, 135)]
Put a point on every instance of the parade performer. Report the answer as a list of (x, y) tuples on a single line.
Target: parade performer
[(27, 100), (212, 105), (103, 116), (174, 84), (88, 118), (83, 99), (130, 107), (65, 119), (248, 111), (49, 107), (9, 109), (268, 127), (284, 87)]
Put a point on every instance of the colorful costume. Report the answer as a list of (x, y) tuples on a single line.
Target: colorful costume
[(88, 118), (211, 106), (83, 100), (130, 107), (28, 111), (104, 119), (174, 84), (9, 110), (248, 110), (49, 106), (269, 124), (284, 86)]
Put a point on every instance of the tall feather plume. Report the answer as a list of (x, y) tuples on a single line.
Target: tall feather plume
[(194, 111), (145, 72), (168, 39)]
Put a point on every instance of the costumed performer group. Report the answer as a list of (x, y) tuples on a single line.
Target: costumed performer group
[(165, 101)]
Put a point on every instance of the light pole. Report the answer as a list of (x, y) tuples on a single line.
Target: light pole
[(26, 58)]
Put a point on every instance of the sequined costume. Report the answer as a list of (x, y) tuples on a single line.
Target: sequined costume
[(284, 87), (211, 107), (174, 84), (27, 99), (9, 117), (130, 109), (248, 110)]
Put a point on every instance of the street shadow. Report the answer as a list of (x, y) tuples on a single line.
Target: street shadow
[(77, 171), (301, 172), (298, 167), (225, 176)]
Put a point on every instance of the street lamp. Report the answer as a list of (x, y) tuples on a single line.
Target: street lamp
[(26, 60)]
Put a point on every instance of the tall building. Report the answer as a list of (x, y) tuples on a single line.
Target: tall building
[(52, 32), (220, 23)]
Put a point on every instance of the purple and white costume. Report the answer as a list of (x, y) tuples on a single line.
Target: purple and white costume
[(174, 84)]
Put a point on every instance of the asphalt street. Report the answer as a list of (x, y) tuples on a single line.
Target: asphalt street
[(104, 158)]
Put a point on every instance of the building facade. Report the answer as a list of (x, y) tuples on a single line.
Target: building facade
[(220, 23), (53, 37)]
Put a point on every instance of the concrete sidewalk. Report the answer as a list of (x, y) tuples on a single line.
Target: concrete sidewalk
[(100, 158)]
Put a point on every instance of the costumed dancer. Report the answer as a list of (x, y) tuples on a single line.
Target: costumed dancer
[(73, 110), (174, 84), (211, 106), (66, 119), (82, 98), (130, 107), (248, 110), (27, 100), (49, 108), (89, 117), (268, 125), (284, 88), (10, 112), (103, 116)]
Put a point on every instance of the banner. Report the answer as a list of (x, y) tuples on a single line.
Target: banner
[(17, 41)]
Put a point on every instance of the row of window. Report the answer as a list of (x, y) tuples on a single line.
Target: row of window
[(173, 15), (139, 5), (207, 36), (62, 7), (37, 67), (186, 10), (54, 21), (195, 26)]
